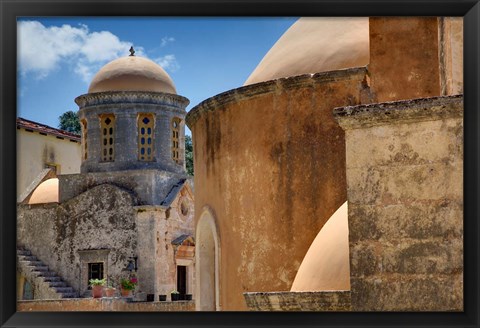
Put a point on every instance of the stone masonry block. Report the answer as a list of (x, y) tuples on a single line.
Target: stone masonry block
[(405, 184), (436, 256), (406, 144), (408, 293), (442, 218)]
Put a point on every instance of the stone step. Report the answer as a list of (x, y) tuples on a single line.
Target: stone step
[(52, 279), (58, 283), (38, 268), (32, 263), (27, 258), (63, 290)]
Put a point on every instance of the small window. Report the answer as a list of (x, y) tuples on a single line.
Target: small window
[(95, 271), (145, 137), (84, 140), (107, 126), (175, 140)]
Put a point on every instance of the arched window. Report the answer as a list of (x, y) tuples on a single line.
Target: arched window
[(107, 127), (84, 140), (145, 124), (175, 139)]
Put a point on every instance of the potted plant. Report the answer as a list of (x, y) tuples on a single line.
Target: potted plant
[(127, 286), (174, 294), (162, 298), (110, 290), (188, 297), (97, 287)]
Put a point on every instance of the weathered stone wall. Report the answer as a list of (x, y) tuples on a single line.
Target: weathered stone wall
[(405, 194), (126, 106), (103, 304), (270, 163), (102, 218), (404, 57), (299, 301), (157, 227), (149, 187)]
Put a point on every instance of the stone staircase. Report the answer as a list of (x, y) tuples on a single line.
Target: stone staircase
[(47, 282)]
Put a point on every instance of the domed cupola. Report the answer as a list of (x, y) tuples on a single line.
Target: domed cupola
[(132, 73), (132, 118)]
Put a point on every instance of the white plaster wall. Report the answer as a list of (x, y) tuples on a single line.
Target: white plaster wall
[(35, 150)]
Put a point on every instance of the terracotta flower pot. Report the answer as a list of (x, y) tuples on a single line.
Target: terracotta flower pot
[(110, 292), (97, 291), (126, 292)]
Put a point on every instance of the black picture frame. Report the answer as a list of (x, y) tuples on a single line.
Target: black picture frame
[(10, 10)]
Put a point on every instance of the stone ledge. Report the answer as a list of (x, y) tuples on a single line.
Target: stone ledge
[(299, 301), (397, 112), (103, 304), (250, 91), (131, 97)]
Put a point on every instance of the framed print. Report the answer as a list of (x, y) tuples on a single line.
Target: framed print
[(224, 163)]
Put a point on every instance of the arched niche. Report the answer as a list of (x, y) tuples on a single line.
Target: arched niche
[(207, 262)]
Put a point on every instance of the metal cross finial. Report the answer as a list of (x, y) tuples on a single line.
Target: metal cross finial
[(132, 51)]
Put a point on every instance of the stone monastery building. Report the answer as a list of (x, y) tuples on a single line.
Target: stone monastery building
[(332, 180), (132, 202)]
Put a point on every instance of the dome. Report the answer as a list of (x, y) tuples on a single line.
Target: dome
[(46, 192), (316, 44), (326, 265), (132, 73)]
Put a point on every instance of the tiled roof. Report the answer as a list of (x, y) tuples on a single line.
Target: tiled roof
[(179, 240), (173, 193), (45, 129)]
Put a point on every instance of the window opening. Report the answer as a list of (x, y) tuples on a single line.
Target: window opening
[(145, 137), (84, 140), (107, 125), (175, 140), (95, 271)]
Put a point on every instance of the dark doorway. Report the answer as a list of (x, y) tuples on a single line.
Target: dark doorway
[(95, 271), (27, 291), (182, 279)]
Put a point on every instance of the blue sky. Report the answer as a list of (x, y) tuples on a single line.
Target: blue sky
[(57, 57)]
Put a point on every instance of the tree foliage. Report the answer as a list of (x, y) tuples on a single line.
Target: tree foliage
[(189, 154), (69, 122)]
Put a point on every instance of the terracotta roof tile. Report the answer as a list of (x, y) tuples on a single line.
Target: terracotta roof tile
[(42, 128)]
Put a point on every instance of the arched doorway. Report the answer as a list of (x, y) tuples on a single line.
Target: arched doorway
[(207, 258)]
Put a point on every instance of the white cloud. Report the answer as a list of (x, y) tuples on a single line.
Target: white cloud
[(42, 50), (168, 62), (166, 40)]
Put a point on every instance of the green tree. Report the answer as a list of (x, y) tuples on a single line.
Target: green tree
[(69, 122), (189, 154)]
